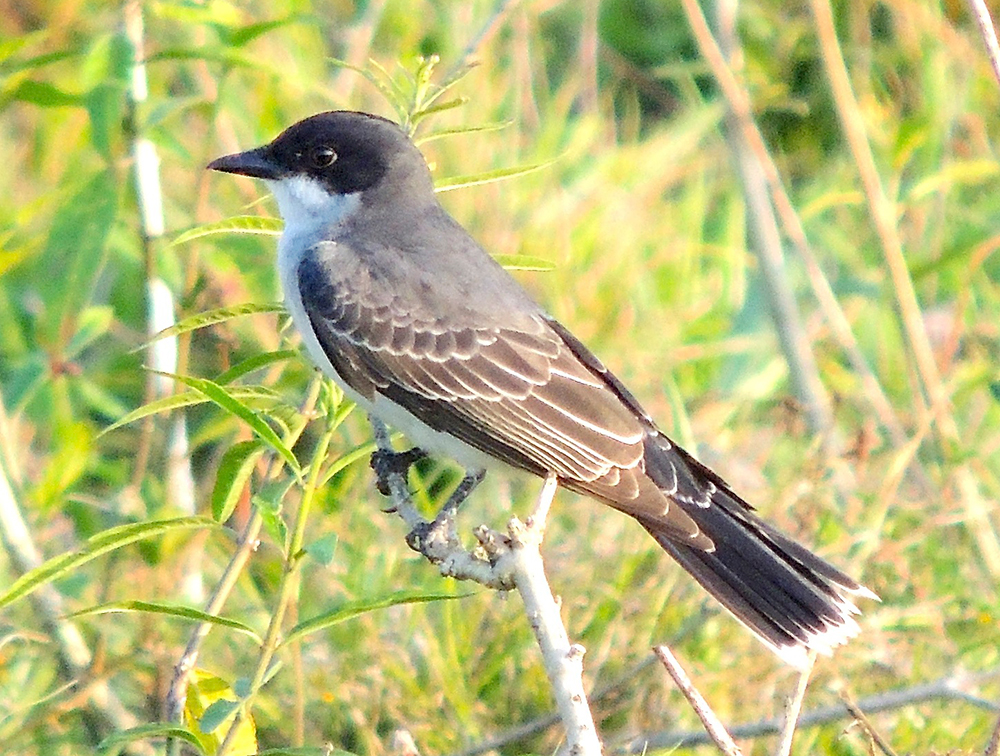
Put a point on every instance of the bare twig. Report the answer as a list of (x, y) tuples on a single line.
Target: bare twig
[(947, 688), (993, 746), (713, 726), (870, 731), (982, 14), (794, 708), (505, 562), (614, 688)]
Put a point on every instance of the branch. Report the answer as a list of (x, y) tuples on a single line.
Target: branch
[(948, 688), (505, 562), (982, 13), (713, 725), (794, 708)]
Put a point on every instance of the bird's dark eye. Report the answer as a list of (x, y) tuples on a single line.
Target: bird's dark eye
[(322, 157)]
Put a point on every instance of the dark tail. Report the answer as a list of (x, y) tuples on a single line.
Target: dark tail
[(793, 600)]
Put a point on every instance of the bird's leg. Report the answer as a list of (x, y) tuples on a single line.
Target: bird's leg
[(386, 462), (443, 526)]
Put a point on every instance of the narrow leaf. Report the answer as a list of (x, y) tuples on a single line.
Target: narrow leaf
[(345, 460), (500, 174), (224, 398), (114, 743), (362, 606), (256, 362), (187, 399), (172, 610), (525, 262), (103, 542), (247, 224), (234, 471), (211, 317), (44, 95), (496, 126)]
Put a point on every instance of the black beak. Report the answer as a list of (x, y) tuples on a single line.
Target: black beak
[(256, 163)]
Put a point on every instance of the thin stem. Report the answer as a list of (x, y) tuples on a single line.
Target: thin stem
[(794, 708), (287, 589), (713, 725), (246, 545)]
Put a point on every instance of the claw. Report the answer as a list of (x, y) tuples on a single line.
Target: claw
[(386, 463)]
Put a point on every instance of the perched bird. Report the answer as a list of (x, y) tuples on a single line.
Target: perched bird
[(424, 330)]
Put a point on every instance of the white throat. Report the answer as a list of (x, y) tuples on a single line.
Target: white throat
[(308, 209)]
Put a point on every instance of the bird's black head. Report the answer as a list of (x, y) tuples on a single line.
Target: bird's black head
[(344, 151)]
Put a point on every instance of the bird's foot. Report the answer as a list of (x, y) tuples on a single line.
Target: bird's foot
[(443, 526), (386, 463)]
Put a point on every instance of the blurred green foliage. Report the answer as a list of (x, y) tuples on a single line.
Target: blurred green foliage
[(641, 216)]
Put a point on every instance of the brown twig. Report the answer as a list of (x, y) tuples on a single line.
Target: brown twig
[(993, 746), (870, 731), (713, 726)]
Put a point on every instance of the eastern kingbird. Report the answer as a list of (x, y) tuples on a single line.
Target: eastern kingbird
[(424, 330)]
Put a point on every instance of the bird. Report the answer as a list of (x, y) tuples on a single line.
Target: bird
[(423, 329)]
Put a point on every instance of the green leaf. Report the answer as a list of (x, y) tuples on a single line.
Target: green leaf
[(101, 543), (269, 503), (225, 398), (234, 471), (323, 549), (362, 606), (438, 108), (496, 126), (187, 399), (216, 714), (44, 95), (76, 248), (382, 81), (114, 743), (91, 324), (25, 378), (211, 317), (243, 35), (355, 455), (208, 705), (247, 224), (172, 610), (525, 262), (488, 177), (256, 362)]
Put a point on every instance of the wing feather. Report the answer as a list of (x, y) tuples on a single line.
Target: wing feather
[(525, 393)]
